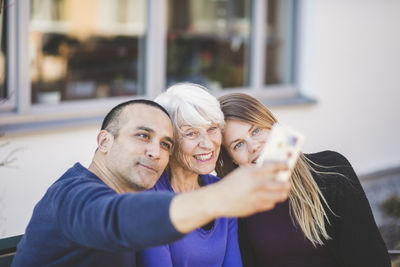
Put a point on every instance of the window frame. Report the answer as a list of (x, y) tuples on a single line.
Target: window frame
[(8, 104), (18, 110)]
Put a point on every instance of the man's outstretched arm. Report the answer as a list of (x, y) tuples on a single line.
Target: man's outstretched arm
[(243, 192)]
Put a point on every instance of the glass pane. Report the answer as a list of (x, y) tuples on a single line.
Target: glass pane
[(3, 42), (86, 49), (279, 44), (208, 42)]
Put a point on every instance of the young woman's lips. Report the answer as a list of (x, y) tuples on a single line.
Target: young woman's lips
[(254, 161)]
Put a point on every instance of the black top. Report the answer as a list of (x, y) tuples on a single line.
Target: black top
[(272, 239)]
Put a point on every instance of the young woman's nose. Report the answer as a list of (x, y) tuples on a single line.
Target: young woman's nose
[(254, 146)]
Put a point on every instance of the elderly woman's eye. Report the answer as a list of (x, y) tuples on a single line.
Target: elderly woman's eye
[(191, 134), (212, 129)]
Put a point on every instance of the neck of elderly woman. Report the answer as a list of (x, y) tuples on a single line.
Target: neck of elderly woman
[(181, 179)]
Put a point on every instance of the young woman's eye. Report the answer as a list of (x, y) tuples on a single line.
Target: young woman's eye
[(238, 145), (256, 131)]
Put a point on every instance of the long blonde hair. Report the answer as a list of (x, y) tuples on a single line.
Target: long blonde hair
[(305, 198)]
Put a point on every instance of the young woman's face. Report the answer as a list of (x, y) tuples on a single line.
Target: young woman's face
[(198, 148), (243, 141)]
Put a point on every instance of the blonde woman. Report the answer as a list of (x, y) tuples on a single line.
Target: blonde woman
[(326, 221)]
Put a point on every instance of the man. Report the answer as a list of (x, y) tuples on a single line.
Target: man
[(95, 217)]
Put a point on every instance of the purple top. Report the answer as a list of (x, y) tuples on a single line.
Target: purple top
[(273, 240), (217, 246)]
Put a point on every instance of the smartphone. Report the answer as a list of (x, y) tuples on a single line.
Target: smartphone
[(283, 145)]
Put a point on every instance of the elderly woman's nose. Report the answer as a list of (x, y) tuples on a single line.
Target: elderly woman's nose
[(205, 141)]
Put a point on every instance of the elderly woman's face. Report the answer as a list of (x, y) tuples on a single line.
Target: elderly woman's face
[(198, 148)]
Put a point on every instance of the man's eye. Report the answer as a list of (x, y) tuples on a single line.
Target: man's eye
[(166, 146), (143, 135), (238, 145)]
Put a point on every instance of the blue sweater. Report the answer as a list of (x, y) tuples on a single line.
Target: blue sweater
[(80, 221), (217, 246)]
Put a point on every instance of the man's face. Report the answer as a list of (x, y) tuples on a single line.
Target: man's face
[(140, 152)]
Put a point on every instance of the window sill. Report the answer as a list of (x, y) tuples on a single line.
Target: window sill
[(79, 114)]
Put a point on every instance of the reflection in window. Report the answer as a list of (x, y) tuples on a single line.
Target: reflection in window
[(86, 49), (3, 89), (208, 42), (280, 30)]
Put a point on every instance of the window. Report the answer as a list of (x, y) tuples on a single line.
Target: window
[(86, 49), (68, 59), (208, 42), (3, 53), (280, 41)]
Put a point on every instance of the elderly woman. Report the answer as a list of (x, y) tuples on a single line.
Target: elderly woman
[(197, 121)]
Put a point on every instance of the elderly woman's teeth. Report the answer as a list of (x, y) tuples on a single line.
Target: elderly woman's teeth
[(203, 156)]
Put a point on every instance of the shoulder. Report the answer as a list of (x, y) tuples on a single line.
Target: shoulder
[(328, 158), (334, 175), (210, 179), (331, 162), (77, 178)]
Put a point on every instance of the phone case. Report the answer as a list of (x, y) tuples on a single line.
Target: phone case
[(283, 145)]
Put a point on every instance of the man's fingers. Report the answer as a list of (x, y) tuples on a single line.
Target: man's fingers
[(270, 169), (271, 185)]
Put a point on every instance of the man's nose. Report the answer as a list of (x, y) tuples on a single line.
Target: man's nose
[(153, 150)]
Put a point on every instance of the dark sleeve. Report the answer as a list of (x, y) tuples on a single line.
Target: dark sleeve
[(356, 239), (246, 250), (94, 217)]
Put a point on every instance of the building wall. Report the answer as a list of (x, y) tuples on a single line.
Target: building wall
[(349, 59), (349, 62)]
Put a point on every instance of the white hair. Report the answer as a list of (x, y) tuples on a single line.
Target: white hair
[(191, 104)]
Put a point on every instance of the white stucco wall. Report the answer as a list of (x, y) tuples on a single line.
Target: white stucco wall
[(349, 62), (43, 157)]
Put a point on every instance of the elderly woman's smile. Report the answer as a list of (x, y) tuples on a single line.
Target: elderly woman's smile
[(204, 157)]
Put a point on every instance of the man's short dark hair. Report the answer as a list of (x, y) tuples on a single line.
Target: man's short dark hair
[(111, 122)]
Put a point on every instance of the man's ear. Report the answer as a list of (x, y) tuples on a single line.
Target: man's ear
[(104, 141)]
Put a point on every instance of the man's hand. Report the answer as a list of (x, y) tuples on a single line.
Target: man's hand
[(247, 190), (243, 192)]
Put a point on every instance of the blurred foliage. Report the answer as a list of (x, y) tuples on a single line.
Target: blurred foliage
[(391, 206)]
